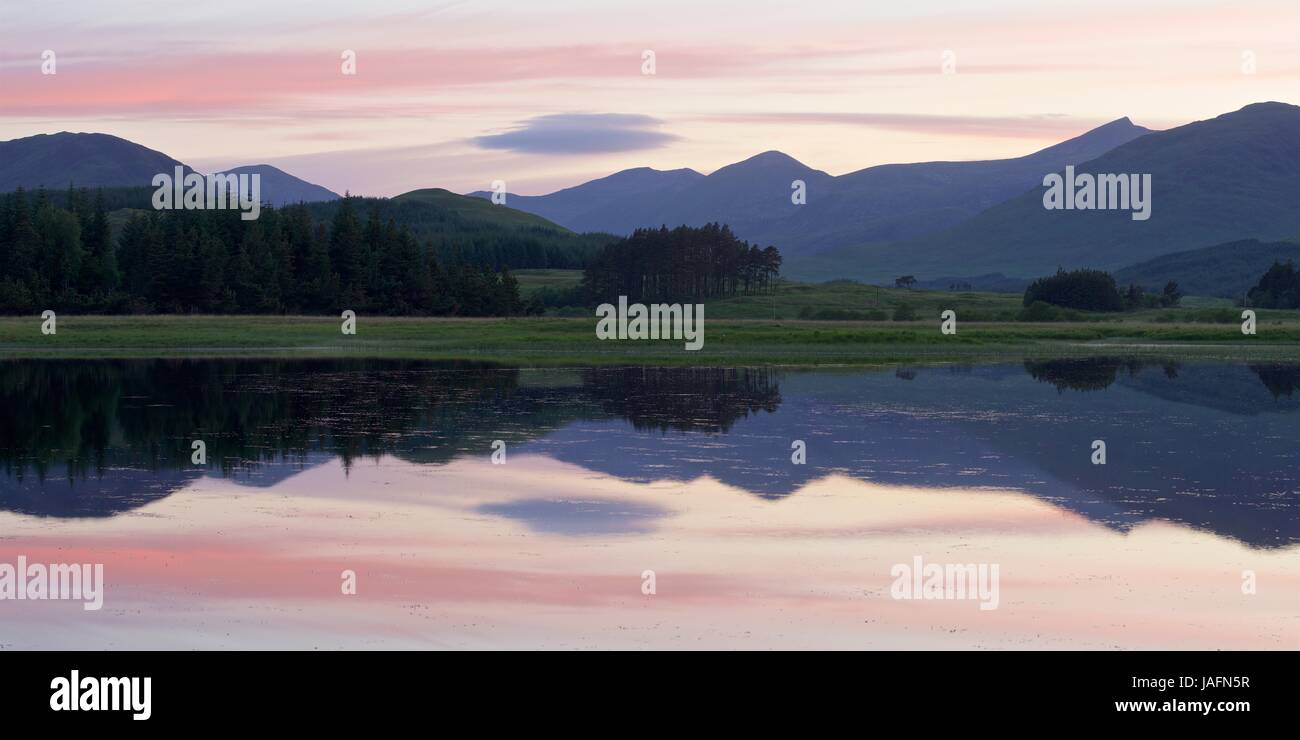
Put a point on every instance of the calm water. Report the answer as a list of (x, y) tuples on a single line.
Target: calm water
[(385, 469)]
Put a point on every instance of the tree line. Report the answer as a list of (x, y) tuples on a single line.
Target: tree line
[(681, 264), (1095, 290), (63, 256)]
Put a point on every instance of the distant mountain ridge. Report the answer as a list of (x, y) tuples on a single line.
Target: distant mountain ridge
[(280, 188), (92, 160), (605, 204), (1233, 177), (882, 203)]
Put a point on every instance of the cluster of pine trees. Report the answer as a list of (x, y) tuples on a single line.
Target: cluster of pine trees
[(1094, 290), (1278, 288), (1085, 290), (62, 256), (681, 264)]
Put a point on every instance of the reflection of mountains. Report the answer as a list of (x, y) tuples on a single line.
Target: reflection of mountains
[(1233, 388), (1208, 445), (96, 438)]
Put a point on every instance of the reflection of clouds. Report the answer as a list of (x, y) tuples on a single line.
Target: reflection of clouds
[(459, 555), (580, 517)]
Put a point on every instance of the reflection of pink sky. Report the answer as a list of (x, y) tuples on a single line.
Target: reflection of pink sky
[(219, 565)]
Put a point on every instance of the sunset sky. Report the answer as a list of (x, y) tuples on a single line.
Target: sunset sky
[(549, 94)]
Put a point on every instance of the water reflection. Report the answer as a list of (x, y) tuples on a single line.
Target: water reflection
[(1090, 373), (1205, 445)]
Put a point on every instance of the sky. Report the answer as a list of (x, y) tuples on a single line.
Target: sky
[(547, 94)]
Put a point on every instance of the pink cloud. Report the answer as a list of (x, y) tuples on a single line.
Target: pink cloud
[(1015, 127), (241, 84)]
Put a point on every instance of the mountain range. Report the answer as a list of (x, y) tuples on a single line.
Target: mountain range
[(55, 161), (883, 203), (1222, 181), (1233, 177)]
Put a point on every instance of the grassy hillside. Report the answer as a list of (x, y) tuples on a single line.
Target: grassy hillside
[(478, 230), (476, 210), (1224, 270)]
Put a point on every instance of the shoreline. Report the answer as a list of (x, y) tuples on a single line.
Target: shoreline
[(548, 341)]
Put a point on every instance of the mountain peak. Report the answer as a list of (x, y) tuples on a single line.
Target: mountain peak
[(281, 188), (1268, 105), (770, 157), (1092, 143), (1265, 110), (254, 168), (768, 163)]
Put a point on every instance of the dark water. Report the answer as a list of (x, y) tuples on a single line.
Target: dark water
[(1206, 445), (384, 469)]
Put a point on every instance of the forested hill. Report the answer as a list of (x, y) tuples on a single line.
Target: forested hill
[(478, 231), (71, 252), (1227, 270), (485, 234)]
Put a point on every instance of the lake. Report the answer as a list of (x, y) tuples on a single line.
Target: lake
[(404, 504)]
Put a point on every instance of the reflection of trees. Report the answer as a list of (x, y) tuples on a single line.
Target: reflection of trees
[(145, 413), (93, 417), (1281, 379), (686, 399), (1090, 373)]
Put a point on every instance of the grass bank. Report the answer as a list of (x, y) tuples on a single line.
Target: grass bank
[(557, 341)]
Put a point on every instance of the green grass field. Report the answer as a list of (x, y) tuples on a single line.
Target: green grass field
[(856, 301), (853, 301), (531, 281), (738, 330), (551, 341)]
